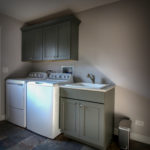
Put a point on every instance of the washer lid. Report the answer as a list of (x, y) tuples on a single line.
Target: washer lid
[(40, 83)]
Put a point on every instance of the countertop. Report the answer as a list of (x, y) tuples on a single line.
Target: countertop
[(73, 86)]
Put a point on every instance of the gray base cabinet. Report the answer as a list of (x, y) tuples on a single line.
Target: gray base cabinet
[(86, 120), (69, 116), (91, 122)]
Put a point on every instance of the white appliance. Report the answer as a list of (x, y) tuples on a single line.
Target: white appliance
[(16, 97), (16, 102), (43, 104)]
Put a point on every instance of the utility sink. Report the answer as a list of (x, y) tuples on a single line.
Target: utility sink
[(87, 85)]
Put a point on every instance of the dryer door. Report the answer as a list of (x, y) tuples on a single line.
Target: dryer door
[(15, 95), (16, 103)]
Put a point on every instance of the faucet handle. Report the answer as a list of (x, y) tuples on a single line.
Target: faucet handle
[(92, 77), (88, 75)]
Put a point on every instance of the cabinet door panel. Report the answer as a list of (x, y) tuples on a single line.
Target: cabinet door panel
[(69, 116), (63, 41), (91, 122), (27, 45), (37, 51), (50, 43), (32, 45)]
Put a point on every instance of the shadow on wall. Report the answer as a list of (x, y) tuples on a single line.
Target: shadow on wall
[(19, 72), (119, 117), (80, 70), (84, 66), (134, 106), (51, 16)]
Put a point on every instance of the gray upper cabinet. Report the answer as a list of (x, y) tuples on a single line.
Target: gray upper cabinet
[(32, 45), (56, 39)]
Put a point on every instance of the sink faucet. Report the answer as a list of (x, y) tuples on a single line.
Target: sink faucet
[(92, 77)]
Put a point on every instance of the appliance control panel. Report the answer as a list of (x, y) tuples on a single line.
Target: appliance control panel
[(40, 75), (60, 76)]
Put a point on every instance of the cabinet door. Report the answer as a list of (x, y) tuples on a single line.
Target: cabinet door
[(68, 116), (50, 43), (27, 45), (37, 50), (91, 122), (63, 51), (32, 45)]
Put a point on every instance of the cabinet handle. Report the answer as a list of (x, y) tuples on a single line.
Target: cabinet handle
[(81, 105)]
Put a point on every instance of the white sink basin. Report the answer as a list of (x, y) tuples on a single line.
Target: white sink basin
[(87, 85)]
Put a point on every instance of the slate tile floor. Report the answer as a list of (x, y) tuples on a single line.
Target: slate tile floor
[(15, 138)]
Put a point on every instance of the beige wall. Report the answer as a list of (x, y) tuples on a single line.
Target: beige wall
[(0, 69), (11, 52), (114, 45)]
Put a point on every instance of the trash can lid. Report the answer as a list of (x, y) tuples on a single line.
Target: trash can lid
[(125, 124)]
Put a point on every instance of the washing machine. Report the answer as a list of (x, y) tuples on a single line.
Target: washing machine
[(43, 104)]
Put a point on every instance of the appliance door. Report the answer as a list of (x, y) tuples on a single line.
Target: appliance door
[(15, 95), (15, 103), (40, 108)]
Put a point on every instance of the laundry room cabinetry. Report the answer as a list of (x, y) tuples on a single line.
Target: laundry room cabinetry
[(50, 43), (32, 45), (69, 117), (57, 42), (56, 39), (87, 118), (65, 46)]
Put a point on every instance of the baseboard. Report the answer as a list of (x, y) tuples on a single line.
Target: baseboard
[(140, 138), (136, 137), (2, 117)]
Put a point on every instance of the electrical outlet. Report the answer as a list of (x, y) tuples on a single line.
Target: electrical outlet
[(139, 123)]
